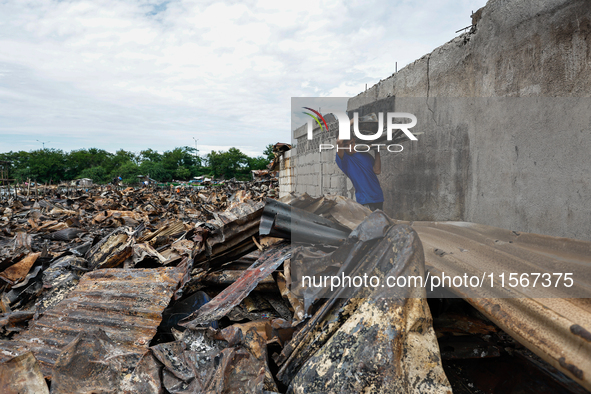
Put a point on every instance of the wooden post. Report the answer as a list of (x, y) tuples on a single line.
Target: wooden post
[(28, 187)]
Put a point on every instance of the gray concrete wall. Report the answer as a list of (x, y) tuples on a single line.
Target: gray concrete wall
[(316, 173), (286, 176), (507, 120)]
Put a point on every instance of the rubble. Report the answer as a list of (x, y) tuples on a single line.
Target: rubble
[(201, 291)]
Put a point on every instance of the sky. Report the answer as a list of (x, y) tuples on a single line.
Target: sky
[(139, 74)]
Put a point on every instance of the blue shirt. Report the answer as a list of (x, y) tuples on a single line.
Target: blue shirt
[(359, 168)]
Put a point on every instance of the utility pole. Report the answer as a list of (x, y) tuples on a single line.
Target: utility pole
[(44, 142), (196, 150)]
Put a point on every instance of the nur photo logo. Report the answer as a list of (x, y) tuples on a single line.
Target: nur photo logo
[(365, 129)]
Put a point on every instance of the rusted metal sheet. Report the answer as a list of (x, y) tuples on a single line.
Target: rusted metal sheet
[(199, 363), (21, 375), (345, 211), (91, 363), (165, 231), (66, 234), (142, 250), (22, 241), (112, 250), (146, 377), (308, 261), (20, 270), (126, 304), (229, 236), (296, 304), (227, 277), (14, 321), (556, 328), (234, 294), (378, 339), (178, 370), (103, 215)]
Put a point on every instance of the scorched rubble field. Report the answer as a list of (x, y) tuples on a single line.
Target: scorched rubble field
[(200, 291)]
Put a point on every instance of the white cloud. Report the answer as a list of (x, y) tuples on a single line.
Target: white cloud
[(135, 74)]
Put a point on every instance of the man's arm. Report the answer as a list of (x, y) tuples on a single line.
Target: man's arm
[(377, 164)]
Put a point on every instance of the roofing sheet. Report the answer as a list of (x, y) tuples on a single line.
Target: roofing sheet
[(556, 327), (125, 303)]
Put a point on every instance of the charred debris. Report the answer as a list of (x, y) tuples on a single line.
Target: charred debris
[(200, 291)]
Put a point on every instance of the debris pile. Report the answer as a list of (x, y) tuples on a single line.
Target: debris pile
[(203, 291)]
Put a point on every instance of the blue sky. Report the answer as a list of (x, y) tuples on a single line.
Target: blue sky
[(137, 74)]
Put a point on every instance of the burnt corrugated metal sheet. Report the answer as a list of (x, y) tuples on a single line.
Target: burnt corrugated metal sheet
[(285, 221), (370, 339), (21, 375), (230, 236), (553, 325), (125, 303), (235, 293)]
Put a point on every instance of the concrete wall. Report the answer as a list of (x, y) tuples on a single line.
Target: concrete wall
[(316, 173), (286, 174), (506, 114)]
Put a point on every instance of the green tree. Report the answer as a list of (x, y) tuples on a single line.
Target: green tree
[(151, 155), (182, 173), (261, 162), (200, 170), (18, 159), (230, 164), (122, 157), (17, 169), (258, 163), (268, 153), (98, 174), (128, 172), (43, 165), (82, 159), (155, 170), (184, 156)]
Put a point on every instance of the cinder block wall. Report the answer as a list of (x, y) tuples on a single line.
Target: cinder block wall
[(317, 173), (485, 161), (286, 172)]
